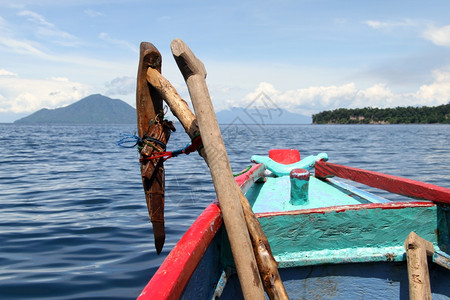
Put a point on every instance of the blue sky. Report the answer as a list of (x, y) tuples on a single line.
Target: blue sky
[(307, 56)]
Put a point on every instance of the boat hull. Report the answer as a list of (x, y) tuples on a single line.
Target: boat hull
[(386, 278), (351, 251)]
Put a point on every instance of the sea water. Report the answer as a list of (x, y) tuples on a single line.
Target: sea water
[(73, 218)]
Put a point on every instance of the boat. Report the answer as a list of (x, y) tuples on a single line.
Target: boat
[(331, 240), (317, 229)]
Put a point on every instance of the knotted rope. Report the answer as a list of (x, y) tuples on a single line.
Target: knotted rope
[(133, 139)]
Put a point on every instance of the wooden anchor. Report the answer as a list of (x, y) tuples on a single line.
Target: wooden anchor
[(151, 125)]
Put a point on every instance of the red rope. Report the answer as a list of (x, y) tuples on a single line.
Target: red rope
[(194, 146)]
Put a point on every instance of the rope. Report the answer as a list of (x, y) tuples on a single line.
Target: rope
[(195, 145), (132, 140), (128, 139), (137, 141)]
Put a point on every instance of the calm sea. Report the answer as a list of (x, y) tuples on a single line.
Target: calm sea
[(73, 219)]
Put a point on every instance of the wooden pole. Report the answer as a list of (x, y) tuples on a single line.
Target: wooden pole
[(177, 105), (194, 74), (418, 276), (268, 267)]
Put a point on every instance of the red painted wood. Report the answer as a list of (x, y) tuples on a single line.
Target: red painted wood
[(174, 273), (285, 156), (342, 208), (246, 180), (300, 174), (393, 184)]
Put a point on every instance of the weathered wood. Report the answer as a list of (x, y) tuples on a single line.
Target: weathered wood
[(148, 103), (150, 123), (268, 267), (177, 105), (393, 184), (266, 263), (194, 74), (418, 275)]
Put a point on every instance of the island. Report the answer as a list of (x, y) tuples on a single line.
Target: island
[(94, 109), (372, 115)]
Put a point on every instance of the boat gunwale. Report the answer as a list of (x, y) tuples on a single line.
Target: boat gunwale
[(342, 208)]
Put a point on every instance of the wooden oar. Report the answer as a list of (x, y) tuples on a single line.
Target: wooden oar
[(194, 74), (150, 124), (268, 267)]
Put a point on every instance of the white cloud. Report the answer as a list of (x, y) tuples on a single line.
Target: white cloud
[(4, 72), (61, 79), (439, 36), (121, 86), (21, 95), (121, 43), (376, 24), (10, 44), (35, 18), (318, 98), (25, 47), (390, 24), (93, 13), (438, 92), (44, 29)]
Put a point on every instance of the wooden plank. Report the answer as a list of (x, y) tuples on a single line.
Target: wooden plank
[(390, 183)]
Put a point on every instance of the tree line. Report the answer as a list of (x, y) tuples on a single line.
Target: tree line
[(373, 115)]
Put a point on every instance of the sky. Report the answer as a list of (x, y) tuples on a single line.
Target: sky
[(305, 56)]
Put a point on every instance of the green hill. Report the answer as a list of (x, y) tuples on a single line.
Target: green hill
[(398, 115), (94, 109)]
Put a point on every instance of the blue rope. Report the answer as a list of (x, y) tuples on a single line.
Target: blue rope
[(129, 139), (180, 151), (135, 141)]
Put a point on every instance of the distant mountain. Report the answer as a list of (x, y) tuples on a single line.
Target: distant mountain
[(247, 116), (94, 109)]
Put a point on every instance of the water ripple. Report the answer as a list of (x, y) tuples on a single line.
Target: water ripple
[(74, 219)]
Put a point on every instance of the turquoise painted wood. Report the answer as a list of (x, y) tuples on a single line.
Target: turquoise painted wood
[(363, 235), (283, 170), (321, 194)]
